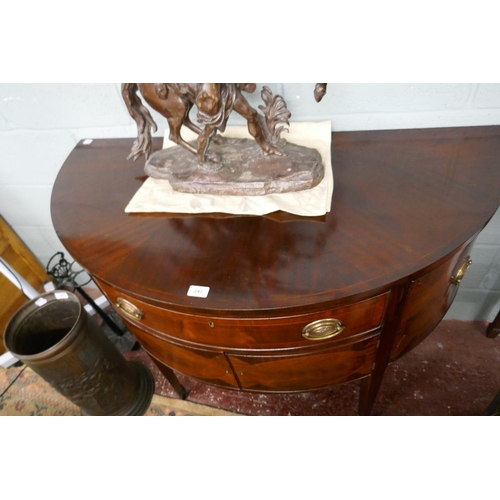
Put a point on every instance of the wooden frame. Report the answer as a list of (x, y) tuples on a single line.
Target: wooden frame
[(21, 259)]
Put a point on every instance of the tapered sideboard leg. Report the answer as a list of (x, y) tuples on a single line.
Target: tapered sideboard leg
[(371, 385), (369, 389), (169, 374), (366, 397), (493, 330)]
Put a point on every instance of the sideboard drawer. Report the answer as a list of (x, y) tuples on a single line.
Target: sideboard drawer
[(207, 365), (251, 333), (305, 371)]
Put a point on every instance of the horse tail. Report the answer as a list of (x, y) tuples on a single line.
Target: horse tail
[(143, 145)]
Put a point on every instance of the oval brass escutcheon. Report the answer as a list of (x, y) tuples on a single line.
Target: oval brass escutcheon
[(323, 329), (456, 280), (129, 309)]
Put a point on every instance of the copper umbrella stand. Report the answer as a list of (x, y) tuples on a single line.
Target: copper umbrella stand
[(56, 338)]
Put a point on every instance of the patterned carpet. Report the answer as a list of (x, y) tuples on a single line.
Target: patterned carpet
[(24, 393)]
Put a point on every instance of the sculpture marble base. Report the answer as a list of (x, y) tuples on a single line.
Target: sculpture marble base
[(242, 170)]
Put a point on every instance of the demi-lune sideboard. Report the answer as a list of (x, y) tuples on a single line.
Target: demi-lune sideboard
[(293, 303)]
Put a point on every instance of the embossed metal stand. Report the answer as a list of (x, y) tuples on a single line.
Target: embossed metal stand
[(57, 339)]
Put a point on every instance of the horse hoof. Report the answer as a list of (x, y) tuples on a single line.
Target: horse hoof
[(214, 158), (274, 152), (212, 163)]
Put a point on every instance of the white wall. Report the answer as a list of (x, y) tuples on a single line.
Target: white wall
[(41, 123)]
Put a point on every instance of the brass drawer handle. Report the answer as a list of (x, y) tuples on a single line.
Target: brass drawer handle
[(129, 309), (322, 329), (456, 280)]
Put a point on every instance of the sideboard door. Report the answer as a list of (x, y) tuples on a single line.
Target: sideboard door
[(428, 300)]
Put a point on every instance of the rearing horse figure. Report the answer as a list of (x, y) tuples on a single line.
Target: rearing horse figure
[(214, 101)]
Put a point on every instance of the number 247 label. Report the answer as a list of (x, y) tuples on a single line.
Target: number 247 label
[(198, 291)]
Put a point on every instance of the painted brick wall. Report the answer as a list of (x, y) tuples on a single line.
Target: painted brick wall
[(41, 123)]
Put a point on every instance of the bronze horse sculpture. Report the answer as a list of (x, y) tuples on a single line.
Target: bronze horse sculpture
[(214, 101)]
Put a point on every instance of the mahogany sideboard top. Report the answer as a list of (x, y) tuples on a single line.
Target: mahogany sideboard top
[(295, 303), (403, 200)]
